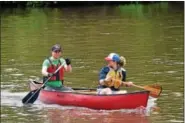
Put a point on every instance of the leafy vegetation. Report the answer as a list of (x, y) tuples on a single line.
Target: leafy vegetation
[(64, 3)]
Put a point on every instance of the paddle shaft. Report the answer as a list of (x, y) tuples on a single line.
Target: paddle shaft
[(44, 83), (138, 86)]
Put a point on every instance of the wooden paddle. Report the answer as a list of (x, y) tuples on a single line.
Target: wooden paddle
[(155, 89), (33, 95)]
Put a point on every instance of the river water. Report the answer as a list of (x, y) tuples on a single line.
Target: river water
[(151, 37)]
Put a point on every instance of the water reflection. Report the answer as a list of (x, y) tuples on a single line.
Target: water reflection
[(92, 116)]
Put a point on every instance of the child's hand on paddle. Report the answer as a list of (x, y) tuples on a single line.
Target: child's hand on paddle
[(108, 79), (128, 84)]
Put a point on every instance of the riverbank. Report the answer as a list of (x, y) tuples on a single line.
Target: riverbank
[(16, 4)]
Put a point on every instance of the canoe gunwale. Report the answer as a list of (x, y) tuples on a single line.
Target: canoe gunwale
[(130, 93)]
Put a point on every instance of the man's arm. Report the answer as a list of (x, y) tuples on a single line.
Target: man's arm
[(45, 67)]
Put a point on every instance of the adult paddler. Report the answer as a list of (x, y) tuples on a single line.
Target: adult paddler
[(51, 64)]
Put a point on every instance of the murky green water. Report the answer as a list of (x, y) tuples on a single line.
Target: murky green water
[(151, 37)]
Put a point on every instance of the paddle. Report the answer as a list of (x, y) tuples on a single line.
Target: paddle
[(155, 90), (33, 95)]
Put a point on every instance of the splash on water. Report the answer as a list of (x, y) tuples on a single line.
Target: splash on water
[(17, 74), (12, 98)]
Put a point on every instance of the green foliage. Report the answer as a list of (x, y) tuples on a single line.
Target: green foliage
[(26, 3), (63, 3)]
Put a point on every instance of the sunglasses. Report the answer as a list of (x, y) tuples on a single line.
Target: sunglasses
[(57, 51)]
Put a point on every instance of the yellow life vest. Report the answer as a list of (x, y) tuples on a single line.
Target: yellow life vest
[(116, 76)]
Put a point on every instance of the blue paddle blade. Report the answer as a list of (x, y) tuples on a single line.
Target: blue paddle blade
[(31, 97)]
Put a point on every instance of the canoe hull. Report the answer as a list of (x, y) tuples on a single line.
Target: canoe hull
[(105, 102), (93, 101)]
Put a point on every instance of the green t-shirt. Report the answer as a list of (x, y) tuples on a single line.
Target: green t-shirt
[(55, 62)]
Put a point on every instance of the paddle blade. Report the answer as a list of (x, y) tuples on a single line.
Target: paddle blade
[(31, 97), (155, 90)]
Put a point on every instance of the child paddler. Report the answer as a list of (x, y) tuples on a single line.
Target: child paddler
[(50, 65), (112, 76)]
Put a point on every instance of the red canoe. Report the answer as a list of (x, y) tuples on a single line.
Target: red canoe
[(93, 101)]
